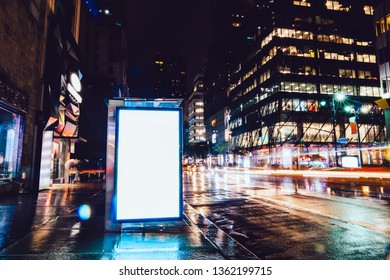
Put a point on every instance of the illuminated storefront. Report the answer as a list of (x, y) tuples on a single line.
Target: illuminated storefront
[(12, 111), (63, 95)]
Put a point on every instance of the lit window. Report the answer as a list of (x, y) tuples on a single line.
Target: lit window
[(335, 5), (368, 10), (332, 5), (383, 27), (304, 3), (10, 129), (368, 58), (388, 22)]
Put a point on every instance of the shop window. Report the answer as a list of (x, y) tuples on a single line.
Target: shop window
[(312, 106), (10, 131)]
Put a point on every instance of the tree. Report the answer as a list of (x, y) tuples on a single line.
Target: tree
[(221, 148), (197, 150)]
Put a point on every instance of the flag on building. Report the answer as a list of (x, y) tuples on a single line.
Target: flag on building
[(354, 128)]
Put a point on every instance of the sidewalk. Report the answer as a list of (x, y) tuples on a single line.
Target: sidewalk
[(46, 226)]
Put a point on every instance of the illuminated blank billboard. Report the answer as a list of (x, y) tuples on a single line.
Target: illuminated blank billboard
[(148, 175)]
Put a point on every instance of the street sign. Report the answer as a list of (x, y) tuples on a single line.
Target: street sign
[(342, 140)]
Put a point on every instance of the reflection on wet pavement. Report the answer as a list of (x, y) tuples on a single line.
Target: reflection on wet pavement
[(294, 218), (227, 216), (50, 225)]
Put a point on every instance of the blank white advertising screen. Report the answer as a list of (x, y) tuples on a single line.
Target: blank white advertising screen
[(148, 182), (350, 161)]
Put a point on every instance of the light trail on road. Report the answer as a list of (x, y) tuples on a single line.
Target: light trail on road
[(253, 207)]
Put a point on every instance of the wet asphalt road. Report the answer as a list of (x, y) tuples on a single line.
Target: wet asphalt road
[(295, 218), (227, 215)]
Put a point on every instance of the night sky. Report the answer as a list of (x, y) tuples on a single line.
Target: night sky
[(171, 26)]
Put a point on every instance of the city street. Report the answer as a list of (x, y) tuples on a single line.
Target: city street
[(228, 214), (295, 217)]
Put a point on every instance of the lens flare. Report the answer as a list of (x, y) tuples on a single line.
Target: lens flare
[(84, 212)]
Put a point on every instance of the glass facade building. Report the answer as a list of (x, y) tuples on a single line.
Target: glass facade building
[(285, 105)]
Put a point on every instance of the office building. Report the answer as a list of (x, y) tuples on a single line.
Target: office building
[(103, 43), (229, 40), (305, 95), (170, 74), (197, 132), (22, 50)]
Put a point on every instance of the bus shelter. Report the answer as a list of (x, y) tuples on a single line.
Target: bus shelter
[(143, 162)]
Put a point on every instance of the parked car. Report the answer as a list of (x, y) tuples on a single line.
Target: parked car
[(186, 167), (193, 168)]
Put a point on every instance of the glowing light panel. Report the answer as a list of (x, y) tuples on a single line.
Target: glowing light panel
[(74, 93), (148, 180), (75, 81), (350, 161)]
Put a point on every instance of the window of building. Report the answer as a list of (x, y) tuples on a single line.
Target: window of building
[(332, 5), (287, 105), (338, 56), (383, 26), (298, 87), (300, 105), (347, 73), (335, 39), (284, 131), (337, 6), (368, 10), (250, 73), (369, 91), (316, 132), (364, 74), (292, 33), (386, 85), (388, 22), (10, 131), (333, 88), (265, 76), (362, 43), (368, 58), (304, 3)]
